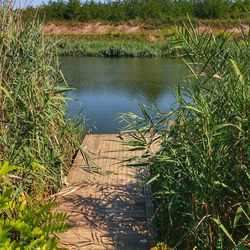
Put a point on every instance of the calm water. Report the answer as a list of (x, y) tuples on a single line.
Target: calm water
[(108, 86)]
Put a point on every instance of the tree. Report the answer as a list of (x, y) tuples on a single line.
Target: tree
[(73, 10)]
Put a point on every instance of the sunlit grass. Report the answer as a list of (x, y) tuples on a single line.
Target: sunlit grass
[(200, 174), (35, 131)]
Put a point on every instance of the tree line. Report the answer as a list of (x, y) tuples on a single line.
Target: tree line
[(150, 11)]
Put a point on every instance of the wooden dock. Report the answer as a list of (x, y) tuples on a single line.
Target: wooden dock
[(110, 209)]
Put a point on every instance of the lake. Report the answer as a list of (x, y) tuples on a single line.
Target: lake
[(106, 87)]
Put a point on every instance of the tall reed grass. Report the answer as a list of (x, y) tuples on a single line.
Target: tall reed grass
[(200, 173), (137, 45), (35, 132), (75, 46)]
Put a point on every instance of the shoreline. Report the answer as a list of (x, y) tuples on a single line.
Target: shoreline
[(125, 40), (141, 29)]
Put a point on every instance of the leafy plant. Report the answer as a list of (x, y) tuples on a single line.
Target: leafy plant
[(25, 225), (156, 12)]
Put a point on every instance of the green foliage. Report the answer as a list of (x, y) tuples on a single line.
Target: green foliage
[(23, 225), (167, 44), (35, 134), (35, 131), (73, 10), (214, 9), (151, 11), (114, 47), (200, 171)]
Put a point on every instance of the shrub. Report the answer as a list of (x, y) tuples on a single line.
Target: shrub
[(156, 12), (25, 225)]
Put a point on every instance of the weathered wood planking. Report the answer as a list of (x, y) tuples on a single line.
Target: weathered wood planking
[(109, 209)]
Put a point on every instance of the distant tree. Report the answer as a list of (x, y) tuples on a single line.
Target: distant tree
[(212, 9), (150, 11), (53, 10), (73, 10)]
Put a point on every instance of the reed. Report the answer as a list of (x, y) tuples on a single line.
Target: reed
[(161, 44), (200, 174), (35, 132), (114, 47)]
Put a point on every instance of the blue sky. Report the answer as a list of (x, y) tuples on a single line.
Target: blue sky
[(25, 3)]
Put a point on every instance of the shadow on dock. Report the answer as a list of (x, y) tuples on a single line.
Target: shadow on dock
[(107, 211)]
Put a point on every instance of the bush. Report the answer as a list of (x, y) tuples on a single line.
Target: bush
[(25, 225), (152, 11)]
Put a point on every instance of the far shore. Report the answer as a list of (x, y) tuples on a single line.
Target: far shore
[(134, 29)]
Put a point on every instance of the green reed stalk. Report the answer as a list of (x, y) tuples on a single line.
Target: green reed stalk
[(35, 130), (200, 173)]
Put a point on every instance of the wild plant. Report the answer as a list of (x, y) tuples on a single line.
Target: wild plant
[(23, 224), (200, 172), (35, 132)]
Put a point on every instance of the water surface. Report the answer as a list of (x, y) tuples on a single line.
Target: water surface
[(108, 86)]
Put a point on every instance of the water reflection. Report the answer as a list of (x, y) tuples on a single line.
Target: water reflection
[(106, 86)]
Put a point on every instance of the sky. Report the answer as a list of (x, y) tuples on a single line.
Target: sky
[(25, 3)]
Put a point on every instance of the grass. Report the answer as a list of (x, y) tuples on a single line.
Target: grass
[(35, 131), (200, 174), (118, 47), (162, 42), (115, 45), (37, 139), (105, 46)]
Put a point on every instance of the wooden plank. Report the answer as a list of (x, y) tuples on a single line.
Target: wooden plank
[(109, 209)]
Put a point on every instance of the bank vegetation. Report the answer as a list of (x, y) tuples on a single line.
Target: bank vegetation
[(37, 139)]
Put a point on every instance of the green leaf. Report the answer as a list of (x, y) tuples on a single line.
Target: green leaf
[(237, 216), (5, 168), (6, 92), (219, 183), (218, 222), (237, 70), (192, 108), (153, 179)]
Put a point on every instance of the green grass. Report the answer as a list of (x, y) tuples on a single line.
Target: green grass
[(37, 139), (200, 174), (162, 42), (35, 131), (110, 48), (114, 45)]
